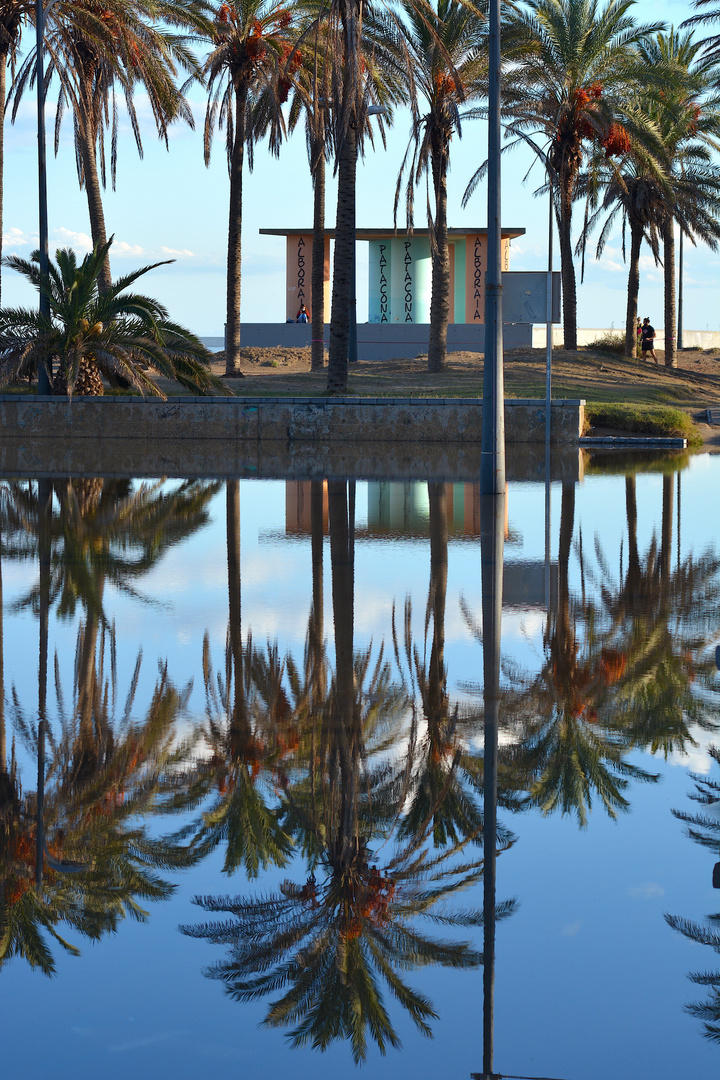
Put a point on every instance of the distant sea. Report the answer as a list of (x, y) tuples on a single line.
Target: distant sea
[(214, 344)]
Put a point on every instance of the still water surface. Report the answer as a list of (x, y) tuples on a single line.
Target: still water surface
[(277, 697)]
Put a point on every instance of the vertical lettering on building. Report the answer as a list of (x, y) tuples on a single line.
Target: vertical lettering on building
[(383, 285), (301, 271), (478, 312), (408, 282)]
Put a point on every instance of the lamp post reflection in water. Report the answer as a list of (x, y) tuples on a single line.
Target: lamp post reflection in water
[(492, 531), (492, 535)]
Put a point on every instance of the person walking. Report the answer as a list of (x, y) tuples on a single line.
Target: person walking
[(638, 332), (648, 340)]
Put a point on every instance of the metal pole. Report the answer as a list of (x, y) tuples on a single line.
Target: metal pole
[(680, 295), (43, 377), (492, 525), (44, 497), (492, 461)]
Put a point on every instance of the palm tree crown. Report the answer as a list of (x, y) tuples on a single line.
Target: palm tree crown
[(89, 332)]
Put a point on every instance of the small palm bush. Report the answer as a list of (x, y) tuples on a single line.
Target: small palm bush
[(89, 334)]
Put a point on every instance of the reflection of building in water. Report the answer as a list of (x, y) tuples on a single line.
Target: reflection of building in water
[(297, 507), (401, 510)]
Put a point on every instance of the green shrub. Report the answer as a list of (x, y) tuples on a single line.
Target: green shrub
[(643, 420), (614, 343)]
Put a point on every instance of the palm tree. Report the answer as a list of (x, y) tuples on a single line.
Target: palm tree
[(704, 829), (92, 332), (365, 72), (689, 122), (710, 44), (97, 51), (311, 98), (636, 190), (250, 41), (446, 61), (576, 85)]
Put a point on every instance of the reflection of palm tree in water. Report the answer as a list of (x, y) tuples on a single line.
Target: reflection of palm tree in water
[(241, 815), (100, 861), (662, 619), (704, 829), (101, 530), (569, 751), (446, 776), (331, 942)]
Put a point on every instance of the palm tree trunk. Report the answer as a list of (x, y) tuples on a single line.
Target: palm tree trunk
[(566, 637), (239, 731), (87, 137), (440, 297), (316, 619), (633, 290), (665, 560), (317, 345), (632, 579), (232, 328), (343, 265), (438, 595), (567, 268), (669, 270), (344, 260), (341, 557)]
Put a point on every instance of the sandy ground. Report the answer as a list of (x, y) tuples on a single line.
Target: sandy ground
[(694, 385), (282, 361)]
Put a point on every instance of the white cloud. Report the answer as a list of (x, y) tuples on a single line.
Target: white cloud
[(571, 929), (183, 253), (79, 240), (16, 238), (647, 891), (121, 247)]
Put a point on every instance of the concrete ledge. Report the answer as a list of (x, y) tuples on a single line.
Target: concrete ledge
[(313, 420)]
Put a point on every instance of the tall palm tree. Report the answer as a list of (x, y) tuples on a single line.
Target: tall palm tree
[(576, 86), (250, 41), (636, 190), (688, 115), (446, 61), (365, 72), (91, 331), (98, 52)]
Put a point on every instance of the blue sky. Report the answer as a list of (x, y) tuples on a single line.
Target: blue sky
[(170, 206)]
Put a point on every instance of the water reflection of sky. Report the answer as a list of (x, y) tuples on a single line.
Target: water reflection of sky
[(590, 980)]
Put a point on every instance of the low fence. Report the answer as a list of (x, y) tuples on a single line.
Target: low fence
[(385, 341), (692, 339), (288, 420)]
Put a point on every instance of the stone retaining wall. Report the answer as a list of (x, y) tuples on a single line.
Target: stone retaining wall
[(313, 420)]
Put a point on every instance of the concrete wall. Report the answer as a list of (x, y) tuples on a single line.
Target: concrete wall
[(704, 339), (309, 420), (385, 341)]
